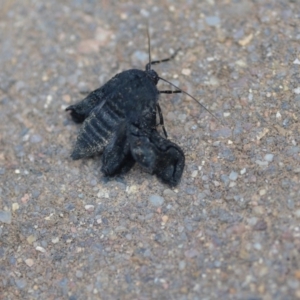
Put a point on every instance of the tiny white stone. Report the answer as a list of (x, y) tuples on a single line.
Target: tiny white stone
[(261, 163), (296, 61), (186, 72), (297, 90), (232, 184), (278, 115), (243, 171), (55, 240), (194, 173), (103, 194), (89, 207), (15, 206), (29, 262), (262, 192), (257, 246), (250, 97), (269, 157), (40, 249)]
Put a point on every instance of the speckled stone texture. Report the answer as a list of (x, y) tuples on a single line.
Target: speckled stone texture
[(229, 230)]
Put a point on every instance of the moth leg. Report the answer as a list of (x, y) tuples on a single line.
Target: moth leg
[(81, 110), (170, 92), (161, 119), (117, 158)]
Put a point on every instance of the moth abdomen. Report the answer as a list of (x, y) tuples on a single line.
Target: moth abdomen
[(97, 129)]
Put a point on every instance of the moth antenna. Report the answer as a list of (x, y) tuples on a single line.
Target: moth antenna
[(148, 66), (184, 92)]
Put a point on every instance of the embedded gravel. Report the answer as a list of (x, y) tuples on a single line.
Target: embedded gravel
[(229, 230)]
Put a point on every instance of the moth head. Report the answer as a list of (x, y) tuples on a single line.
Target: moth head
[(153, 76)]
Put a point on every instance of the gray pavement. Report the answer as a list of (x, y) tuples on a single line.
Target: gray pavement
[(229, 230)]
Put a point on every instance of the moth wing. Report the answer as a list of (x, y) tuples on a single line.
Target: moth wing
[(170, 159), (158, 155), (81, 110)]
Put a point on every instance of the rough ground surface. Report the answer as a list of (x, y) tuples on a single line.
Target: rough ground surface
[(230, 230)]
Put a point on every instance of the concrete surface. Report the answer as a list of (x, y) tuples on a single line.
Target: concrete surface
[(230, 230)]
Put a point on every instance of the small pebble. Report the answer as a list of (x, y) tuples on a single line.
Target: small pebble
[(225, 179), (296, 61), (262, 192), (181, 265), (169, 193), (257, 246), (243, 171), (252, 221), (40, 249), (269, 157), (217, 264), (35, 139), (89, 207), (261, 163), (20, 283), (15, 206), (259, 210), (212, 21), (132, 189), (120, 229), (5, 217), (186, 72), (55, 240), (194, 173), (31, 239), (29, 262), (79, 274), (156, 200), (233, 176), (297, 213), (165, 219), (297, 90), (232, 184), (104, 194)]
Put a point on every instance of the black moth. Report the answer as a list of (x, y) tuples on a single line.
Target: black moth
[(119, 120)]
